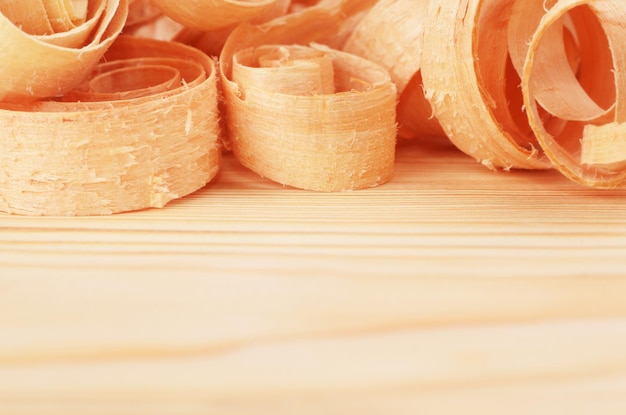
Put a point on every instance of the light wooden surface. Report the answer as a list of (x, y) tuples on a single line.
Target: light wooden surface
[(452, 289)]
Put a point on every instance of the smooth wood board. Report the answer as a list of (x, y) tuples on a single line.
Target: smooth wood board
[(452, 289)]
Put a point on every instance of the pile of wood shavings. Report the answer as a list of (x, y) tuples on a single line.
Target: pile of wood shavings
[(118, 105)]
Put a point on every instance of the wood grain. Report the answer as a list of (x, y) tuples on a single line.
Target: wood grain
[(451, 289)]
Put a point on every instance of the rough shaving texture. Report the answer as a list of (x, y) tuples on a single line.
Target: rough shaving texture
[(313, 93), (117, 152)]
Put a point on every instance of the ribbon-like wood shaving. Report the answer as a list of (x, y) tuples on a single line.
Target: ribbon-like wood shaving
[(307, 116), (141, 130), (464, 68), (208, 15), (49, 64), (309, 93), (590, 96), (340, 110)]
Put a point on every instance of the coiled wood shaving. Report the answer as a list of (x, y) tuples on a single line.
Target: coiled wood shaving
[(307, 116), (140, 130)]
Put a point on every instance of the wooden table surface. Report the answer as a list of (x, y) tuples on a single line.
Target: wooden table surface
[(450, 290)]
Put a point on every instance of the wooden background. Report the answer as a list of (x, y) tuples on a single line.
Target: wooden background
[(450, 290)]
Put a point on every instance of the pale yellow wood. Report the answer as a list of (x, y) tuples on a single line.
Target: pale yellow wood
[(604, 144), (210, 15), (605, 107), (463, 71), (451, 289), (106, 149), (398, 49), (52, 64)]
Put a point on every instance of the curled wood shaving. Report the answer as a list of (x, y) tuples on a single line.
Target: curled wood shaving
[(140, 130), (307, 116), (49, 63), (208, 15), (466, 81), (590, 96)]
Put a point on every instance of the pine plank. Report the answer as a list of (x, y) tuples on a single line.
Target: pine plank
[(450, 289)]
